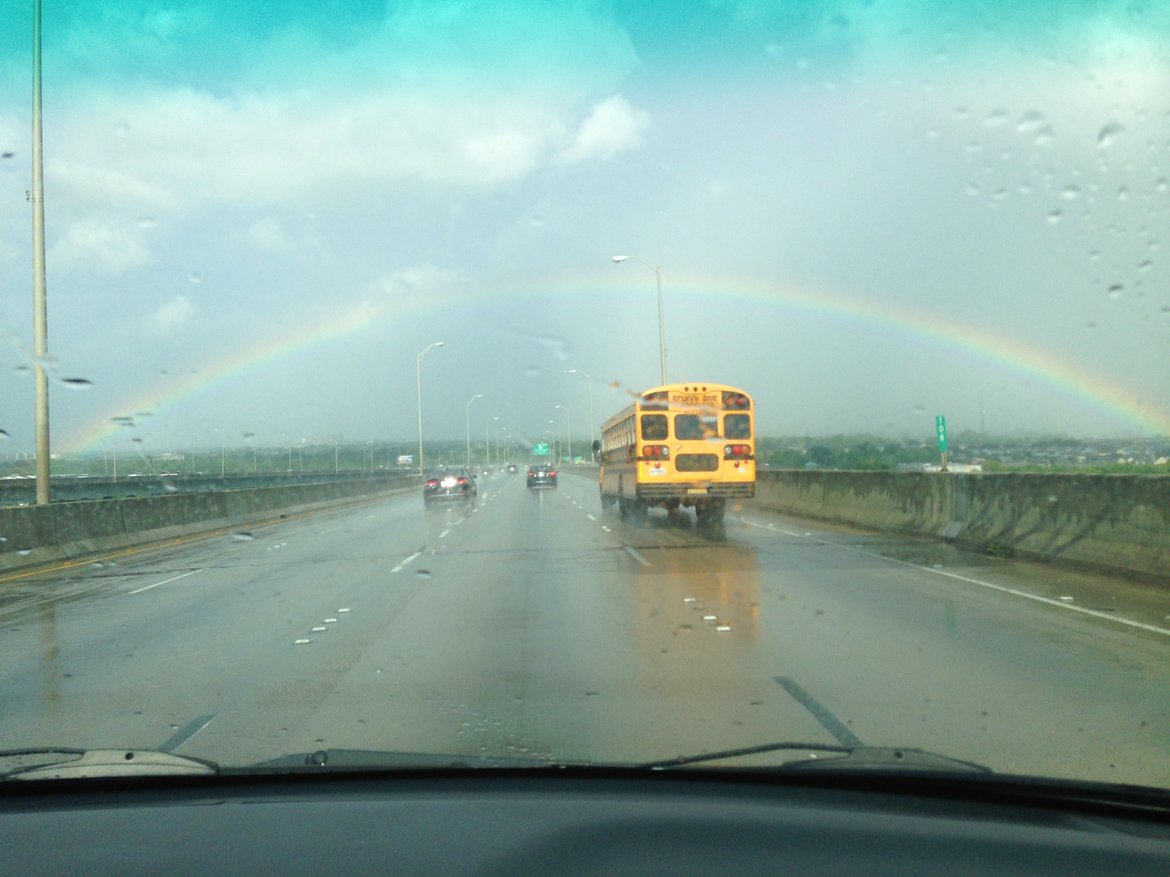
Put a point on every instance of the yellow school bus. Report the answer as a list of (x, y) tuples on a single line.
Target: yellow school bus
[(678, 446)]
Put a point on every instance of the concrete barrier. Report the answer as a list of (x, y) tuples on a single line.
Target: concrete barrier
[(1119, 523), (33, 535)]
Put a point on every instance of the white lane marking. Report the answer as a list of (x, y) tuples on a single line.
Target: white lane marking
[(370, 517), (606, 529), (638, 557), (407, 562), (771, 527), (1003, 589), (443, 535), (590, 517), (331, 530), (164, 581)]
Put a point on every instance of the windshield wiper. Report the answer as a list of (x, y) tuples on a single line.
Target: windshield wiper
[(61, 763), (844, 759)]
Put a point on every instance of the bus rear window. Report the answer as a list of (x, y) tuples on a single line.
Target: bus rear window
[(694, 426), (737, 426), (654, 427)]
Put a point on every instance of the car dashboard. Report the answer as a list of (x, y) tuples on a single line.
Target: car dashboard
[(570, 821)]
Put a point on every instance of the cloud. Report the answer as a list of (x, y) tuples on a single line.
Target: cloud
[(268, 234), (174, 314), (614, 126), (100, 242)]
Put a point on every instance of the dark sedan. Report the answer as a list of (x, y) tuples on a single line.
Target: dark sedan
[(449, 485), (542, 475)]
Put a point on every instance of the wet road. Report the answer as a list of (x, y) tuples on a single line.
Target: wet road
[(534, 624)]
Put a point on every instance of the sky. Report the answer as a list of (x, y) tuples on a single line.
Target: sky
[(863, 213)]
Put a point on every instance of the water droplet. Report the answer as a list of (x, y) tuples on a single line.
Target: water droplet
[(1030, 121), (995, 118), (4, 434), (1095, 255), (1116, 290), (319, 629), (1161, 185), (1165, 310), (532, 371), (1070, 193), (423, 573), (961, 112), (301, 642), (1054, 216), (345, 609), (1123, 194), (688, 599), (1109, 133), (195, 278), (592, 693), (710, 618), (242, 536), (1044, 136), (24, 552), (77, 383), (723, 628), (329, 621)]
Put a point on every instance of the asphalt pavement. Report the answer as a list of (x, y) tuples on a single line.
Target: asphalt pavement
[(536, 624)]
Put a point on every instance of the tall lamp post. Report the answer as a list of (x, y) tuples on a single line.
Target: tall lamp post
[(661, 322), (589, 384), (418, 388), (568, 431), (469, 401), (40, 300), (487, 448), (498, 431)]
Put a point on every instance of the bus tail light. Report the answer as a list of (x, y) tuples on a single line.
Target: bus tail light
[(737, 452), (655, 452)]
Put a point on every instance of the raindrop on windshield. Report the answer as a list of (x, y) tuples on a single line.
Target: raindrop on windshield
[(1055, 216), (1108, 134), (995, 118), (1044, 136), (195, 277), (423, 573), (1145, 266), (242, 536), (1116, 290), (1070, 193), (77, 383), (4, 434), (1030, 121)]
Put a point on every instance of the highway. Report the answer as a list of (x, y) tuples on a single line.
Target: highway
[(535, 624)]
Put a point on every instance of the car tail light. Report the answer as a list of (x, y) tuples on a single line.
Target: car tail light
[(462, 480), (552, 473), (432, 482)]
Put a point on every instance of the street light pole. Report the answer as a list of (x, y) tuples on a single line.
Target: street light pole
[(469, 401), (40, 298), (487, 448), (661, 320), (498, 431), (418, 386), (568, 430), (589, 384)]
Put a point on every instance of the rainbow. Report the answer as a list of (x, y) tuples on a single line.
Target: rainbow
[(1059, 374)]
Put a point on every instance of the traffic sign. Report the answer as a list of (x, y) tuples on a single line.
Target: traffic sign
[(940, 425), (540, 450)]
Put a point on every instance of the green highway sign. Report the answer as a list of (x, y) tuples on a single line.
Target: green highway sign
[(540, 450), (940, 425)]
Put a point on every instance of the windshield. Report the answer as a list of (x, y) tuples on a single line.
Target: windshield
[(890, 279)]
